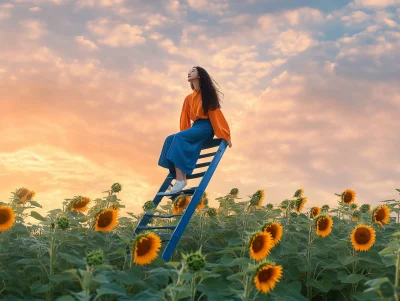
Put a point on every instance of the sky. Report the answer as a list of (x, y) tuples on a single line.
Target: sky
[(90, 89)]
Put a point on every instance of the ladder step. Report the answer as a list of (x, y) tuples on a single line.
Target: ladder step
[(212, 143), (196, 175), (202, 164), (207, 155), (189, 191), (163, 216), (155, 227)]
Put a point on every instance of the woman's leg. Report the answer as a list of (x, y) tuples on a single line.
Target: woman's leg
[(180, 175)]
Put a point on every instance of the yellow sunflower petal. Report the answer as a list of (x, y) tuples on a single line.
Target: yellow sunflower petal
[(260, 245), (324, 226), (362, 237), (276, 231), (7, 218), (267, 277), (381, 215), (146, 249), (106, 220), (80, 204), (348, 196)]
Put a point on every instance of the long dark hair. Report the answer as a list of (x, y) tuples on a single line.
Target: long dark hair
[(209, 92)]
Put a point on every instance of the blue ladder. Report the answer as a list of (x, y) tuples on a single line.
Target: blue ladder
[(197, 193)]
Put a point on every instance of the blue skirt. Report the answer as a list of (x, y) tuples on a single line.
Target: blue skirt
[(183, 149)]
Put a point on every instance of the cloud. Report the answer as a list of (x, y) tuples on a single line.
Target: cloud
[(34, 29), (292, 42), (5, 10), (86, 43), (35, 9), (38, 2), (218, 7), (113, 34), (375, 4)]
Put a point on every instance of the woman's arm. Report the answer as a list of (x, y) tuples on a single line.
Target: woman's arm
[(185, 119), (219, 124)]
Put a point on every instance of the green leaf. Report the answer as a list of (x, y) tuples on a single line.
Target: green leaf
[(72, 259), (36, 204), (324, 285), (62, 277), (36, 215), (348, 260), (128, 277), (100, 278), (376, 283), (111, 289), (38, 288), (353, 278)]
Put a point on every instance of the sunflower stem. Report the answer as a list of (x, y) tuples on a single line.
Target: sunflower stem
[(193, 287), (309, 288), (397, 277)]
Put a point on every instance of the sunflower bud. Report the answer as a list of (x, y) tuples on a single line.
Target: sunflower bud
[(234, 191), (299, 193), (325, 208), (270, 206), (365, 208), (63, 223), (356, 215), (116, 187), (149, 205), (212, 212), (353, 206), (195, 261), (95, 258)]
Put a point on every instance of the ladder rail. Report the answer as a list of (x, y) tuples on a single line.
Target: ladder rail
[(185, 219)]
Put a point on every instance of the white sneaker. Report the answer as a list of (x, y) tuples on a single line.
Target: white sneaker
[(179, 185)]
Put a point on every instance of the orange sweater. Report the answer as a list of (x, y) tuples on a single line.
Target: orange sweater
[(192, 110)]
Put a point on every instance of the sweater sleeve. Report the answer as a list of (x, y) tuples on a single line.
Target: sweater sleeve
[(219, 124), (185, 119)]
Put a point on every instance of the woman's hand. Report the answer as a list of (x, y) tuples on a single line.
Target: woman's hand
[(229, 143)]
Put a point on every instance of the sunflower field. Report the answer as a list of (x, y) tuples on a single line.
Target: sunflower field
[(242, 250)]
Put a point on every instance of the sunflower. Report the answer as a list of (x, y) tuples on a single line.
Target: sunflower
[(276, 231), (356, 215), (180, 203), (260, 245), (106, 220), (365, 208), (299, 204), (299, 193), (80, 204), (362, 237), (348, 196), (381, 215), (257, 198), (146, 248), (267, 276), (22, 194), (315, 211), (30, 195), (234, 192), (323, 225), (203, 202), (7, 218)]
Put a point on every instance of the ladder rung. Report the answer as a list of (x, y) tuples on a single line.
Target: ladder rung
[(207, 155), (189, 191), (212, 143), (202, 164), (196, 175), (163, 216), (155, 227)]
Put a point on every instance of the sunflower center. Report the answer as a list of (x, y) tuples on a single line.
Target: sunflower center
[(22, 192), (323, 224), (380, 215), (264, 275), (143, 246), (105, 219), (4, 216), (258, 244), (272, 229), (347, 197), (362, 236), (315, 212)]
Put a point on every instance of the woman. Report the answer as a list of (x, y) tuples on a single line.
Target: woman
[(181, 150)]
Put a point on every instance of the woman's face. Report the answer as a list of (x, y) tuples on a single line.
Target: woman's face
[(193, 74)]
